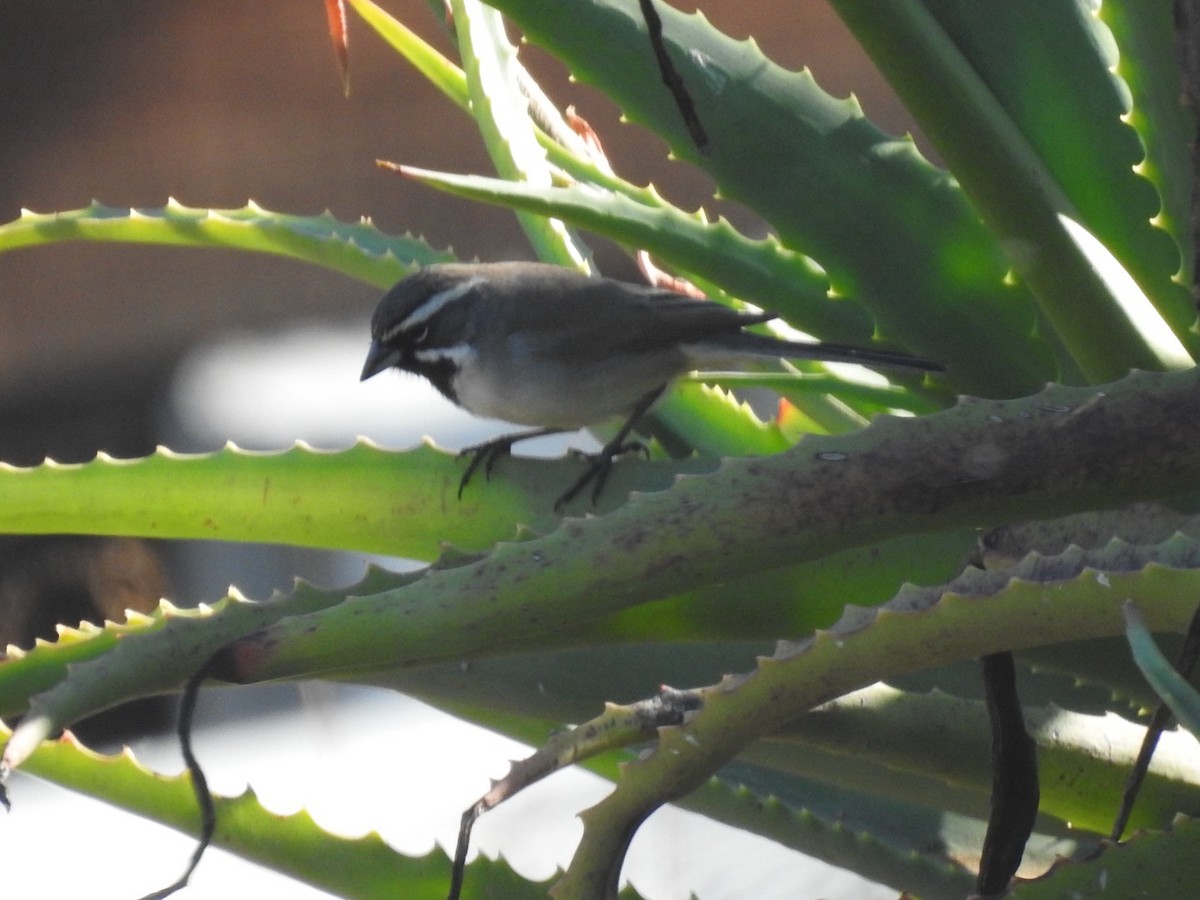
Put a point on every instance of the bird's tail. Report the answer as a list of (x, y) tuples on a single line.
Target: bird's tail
[(747, 344)]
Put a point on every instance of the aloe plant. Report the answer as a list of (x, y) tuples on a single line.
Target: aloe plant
[(1057, 247)]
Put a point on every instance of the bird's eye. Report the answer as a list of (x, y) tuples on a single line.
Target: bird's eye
[(418, 336)]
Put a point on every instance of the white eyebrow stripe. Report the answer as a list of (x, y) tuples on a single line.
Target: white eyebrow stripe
[(435, 303)]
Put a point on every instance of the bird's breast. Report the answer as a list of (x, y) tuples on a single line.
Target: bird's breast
[(522, 398), (519, 383)]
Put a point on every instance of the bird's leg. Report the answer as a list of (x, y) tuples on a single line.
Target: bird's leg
[(487, 453), (600, 463)]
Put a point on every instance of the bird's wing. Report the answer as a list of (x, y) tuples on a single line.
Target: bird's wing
[(635, 320)]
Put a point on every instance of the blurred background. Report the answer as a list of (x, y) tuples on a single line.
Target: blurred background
[(120, 348)]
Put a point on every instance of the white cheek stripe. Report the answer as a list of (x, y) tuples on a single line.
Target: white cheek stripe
[(459, 354), (433, 306)]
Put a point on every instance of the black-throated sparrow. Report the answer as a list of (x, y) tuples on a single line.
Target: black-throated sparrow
[(547, 346)]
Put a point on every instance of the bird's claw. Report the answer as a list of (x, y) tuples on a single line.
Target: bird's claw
[(599, 465), (486, 455)]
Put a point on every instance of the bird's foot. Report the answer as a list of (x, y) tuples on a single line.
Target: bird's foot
[(484, 455), (490, 452), (598, 466)]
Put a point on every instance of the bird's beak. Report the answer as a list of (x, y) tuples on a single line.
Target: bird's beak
[(379, 357)]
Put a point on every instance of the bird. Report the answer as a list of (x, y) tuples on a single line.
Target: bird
[(550, 347)]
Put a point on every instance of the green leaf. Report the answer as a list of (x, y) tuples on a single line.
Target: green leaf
[(1156, 864), (495, 79), (359, 250), (1180, 696), (439, 71), (892, 231), (364, 498), (1148, 64), (1063, 81), (882, 841), (752, 515), (293, 844), (1038, 602), (1034, 181), (759, 272), (148, 654), (1083, 760), (897, 476), (878, 398)]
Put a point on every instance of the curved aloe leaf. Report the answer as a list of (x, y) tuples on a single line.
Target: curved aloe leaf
[(760, 272), (1061, 78), (1083, 760), (873, 741), (91, 668), (153, 653), (440, 72), (1053, 452), (1172, 687), (717, 423), (145, 656), (364, 498), (1147, 63), (494, 79), (1157, 864), (1063, 450), (875, 398), (891, 230), (1041, 601), (356, 249), (882, 841), (294, 844), (1055, 233)]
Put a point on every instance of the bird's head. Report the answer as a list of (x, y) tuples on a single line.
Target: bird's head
[(423, 323)]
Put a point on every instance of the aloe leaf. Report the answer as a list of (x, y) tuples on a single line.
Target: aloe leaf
[(1055, 234), (1153, 864), (927, 852), (877, 398), (439, 71), (92, 668), (891, 230), (28, 673), (1040, 456), (452, 82), (882, 841), (494, 78), (1175, 691), (717, 423), (359, 249), (363, 498), (145, 656), (1148, 64), (1104, 663), (293, 844), (760, 272), (993, 610), (335, 12), (1083, 760), (792, 600), (871, 741), (1064, 82)]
